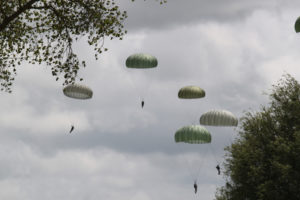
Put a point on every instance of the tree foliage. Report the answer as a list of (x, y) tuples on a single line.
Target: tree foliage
[(43, 31), (264, 163)]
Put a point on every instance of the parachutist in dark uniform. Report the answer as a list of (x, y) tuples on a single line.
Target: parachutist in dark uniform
[(72, 128), (195, 187), (142, 103), (218, 168)]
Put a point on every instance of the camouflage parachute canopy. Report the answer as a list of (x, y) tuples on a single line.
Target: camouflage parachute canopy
[(193, 134), (297, 25), (191, 92), (218, 118), (141, 61), (78, 91)]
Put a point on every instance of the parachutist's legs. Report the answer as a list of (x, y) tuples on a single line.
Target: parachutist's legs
[(72, 128), (219, 169), (142, 103), (195, 187)]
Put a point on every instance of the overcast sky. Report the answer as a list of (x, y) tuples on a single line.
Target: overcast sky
[(234, 49)]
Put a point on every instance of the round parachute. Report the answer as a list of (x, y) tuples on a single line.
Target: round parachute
[(191, 92), (141, 61), (218, 118), (78, 91), (297, 25), (193, 134)]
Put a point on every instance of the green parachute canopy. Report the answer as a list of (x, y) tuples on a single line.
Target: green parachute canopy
[(78, 91), (218, 118), (193, 134), (297, 25), (191, 92), (141, 61)]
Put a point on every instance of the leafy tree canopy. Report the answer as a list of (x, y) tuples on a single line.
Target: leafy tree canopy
[(264, 163), (43, 31)]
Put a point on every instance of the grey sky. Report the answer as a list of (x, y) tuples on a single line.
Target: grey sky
[(149, 15), (234, 50)]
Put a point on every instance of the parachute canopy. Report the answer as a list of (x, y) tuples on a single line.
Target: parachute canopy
[(218, 118), (141, 61), (78, 91), (297, 25), (193, 134), (191, 92)]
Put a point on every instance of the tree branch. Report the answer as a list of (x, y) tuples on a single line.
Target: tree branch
[(9, 19), (40, 7)]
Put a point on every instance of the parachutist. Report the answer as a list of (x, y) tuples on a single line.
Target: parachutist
[(72, 128), (218, 168), (142, 103), (195, 186)]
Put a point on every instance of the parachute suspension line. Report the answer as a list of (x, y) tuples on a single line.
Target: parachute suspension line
[(141, 92), (194, 173), (188, 163), (150, 75), (68, 119), (71, 121), (132, 82), (201, 162), (214, 154)]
